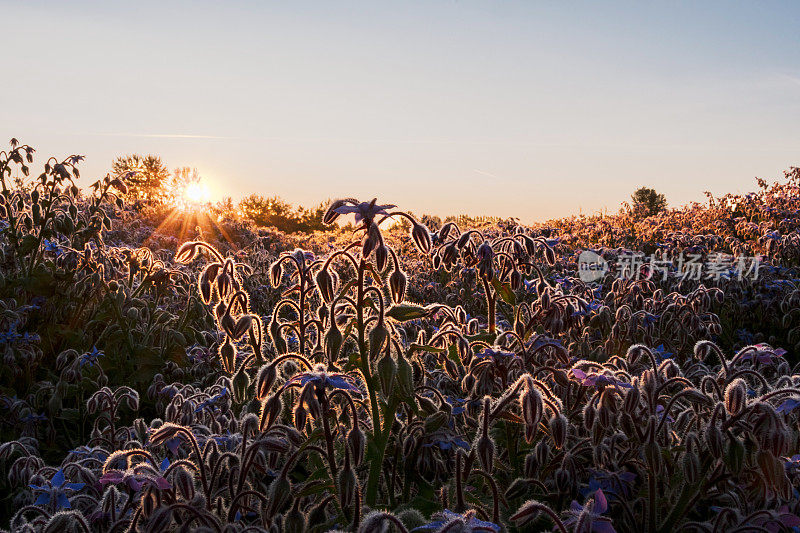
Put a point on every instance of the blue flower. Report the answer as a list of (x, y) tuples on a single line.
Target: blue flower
[(90, 358), (468, 518), (211, 403), (788, 405), (649, 319), (55, 491), (52, 247), (445, 442), (322, 378), (661, 353)]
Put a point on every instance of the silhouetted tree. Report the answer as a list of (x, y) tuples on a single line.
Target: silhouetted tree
[(147, 177), (647, 202)]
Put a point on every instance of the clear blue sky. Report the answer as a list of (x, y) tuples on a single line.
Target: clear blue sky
[(504, 108)]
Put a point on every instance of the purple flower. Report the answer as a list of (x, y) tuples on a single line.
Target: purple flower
[(55, 491), (366, 211), (788, 405), (599, 381), (322, 378), (781, 520), (468, 518), (494, 352), (613, 484), (133, 479), (594, 507)]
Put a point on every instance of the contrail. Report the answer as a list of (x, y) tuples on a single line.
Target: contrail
[(164, 136)]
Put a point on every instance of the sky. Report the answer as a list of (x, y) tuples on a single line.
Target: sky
[(525, 109)]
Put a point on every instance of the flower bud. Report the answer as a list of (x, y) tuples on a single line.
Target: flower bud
[(295, 521), (242, 326), (356, 441), (387, 369), (378, 337), (421, 237), (405, 376), (280, 490), (240, 382), (227, 354), (325, 284), (348, 484), (631, 402), (333, 342), (381, 257), (691, 467), (184, 482), (485, 449), (276, 273), (397, 285), (714, 441), (270, 410), (265, 379), (516, 280), (300, 417), (735, 396), (532, 411), (558, 429), (518, 488), (563, 480)]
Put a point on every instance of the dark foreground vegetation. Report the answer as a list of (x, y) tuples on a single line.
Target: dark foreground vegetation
[(174, 370)]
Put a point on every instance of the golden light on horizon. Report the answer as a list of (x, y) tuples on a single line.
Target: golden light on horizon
[(196, 193)]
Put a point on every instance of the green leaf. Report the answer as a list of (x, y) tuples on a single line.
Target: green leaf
[(424, 348), (505, 292), (405, 312)]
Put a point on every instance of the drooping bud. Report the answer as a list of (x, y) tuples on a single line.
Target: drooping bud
[(735, 396), (485, 449), (308, 398), (397, 285), (295, 521), (264, 380), (276, 273), (558, 429), (631, 401), (240, 382), (300, 417), (387, 369), (378, 336), (227, 354), (270, 410), (348, 483), (516, 280), (325, 284), (714, 440), (381, 257), (277, 339), (333, 341), (532, 410), (405, 376), (356, 441), (691, 466), (242, 326), (421, 237)]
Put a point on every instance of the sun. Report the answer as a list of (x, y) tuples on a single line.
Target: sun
[(195, 195)]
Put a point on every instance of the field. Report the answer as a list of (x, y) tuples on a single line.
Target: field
[(175, 370)]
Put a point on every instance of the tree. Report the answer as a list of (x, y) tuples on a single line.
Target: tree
[(269, 212), (146, 177), (647, 202)]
